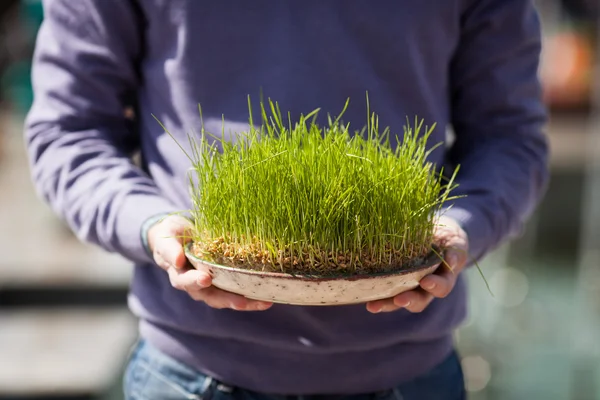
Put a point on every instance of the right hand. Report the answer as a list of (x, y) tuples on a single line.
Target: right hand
[(166, 240)]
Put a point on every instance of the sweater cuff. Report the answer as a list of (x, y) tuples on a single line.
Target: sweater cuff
[(149, 223), (136, 215)]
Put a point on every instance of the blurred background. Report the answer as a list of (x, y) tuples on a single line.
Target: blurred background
[(65, 331)]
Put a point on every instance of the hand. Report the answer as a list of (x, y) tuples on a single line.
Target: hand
[(166, 239), (453, 239)]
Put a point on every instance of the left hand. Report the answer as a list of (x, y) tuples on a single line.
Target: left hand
[(453, 239)]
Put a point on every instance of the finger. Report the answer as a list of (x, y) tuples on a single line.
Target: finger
[(218, 298), (189, 280), (171, 235), (161, 261), (171, 251), (454, 260), (181, 229), (439, 285), (386, 305), (414, 300)]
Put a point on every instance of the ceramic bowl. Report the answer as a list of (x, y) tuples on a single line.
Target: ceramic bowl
[(309, 290)]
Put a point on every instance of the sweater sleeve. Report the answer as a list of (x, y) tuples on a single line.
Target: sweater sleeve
[(498, 119), (78, 140)]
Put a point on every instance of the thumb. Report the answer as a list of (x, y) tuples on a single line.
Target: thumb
[(171, 250), (454, 259), (168, 238)]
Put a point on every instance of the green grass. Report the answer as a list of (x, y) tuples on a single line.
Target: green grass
[(296, 197)]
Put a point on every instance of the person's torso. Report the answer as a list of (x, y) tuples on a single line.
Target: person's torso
[(304, 55)]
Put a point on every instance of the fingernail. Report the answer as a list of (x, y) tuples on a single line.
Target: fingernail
[(376, 310), (262, 306), (452, 260), (407, 304), (203, 281), (429, 285)]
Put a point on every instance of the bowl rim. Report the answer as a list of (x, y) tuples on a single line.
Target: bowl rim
[(429, 261)]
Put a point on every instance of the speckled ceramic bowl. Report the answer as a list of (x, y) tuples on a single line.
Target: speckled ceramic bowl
[(311, 290)]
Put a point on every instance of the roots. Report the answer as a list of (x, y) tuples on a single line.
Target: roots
[(307, 260)]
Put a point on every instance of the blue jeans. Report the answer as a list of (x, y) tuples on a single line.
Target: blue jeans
[(152, 375)]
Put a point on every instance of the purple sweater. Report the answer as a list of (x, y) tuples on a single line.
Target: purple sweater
[(466, 64)]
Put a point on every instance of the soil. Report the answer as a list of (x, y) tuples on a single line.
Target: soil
[(313, 262)]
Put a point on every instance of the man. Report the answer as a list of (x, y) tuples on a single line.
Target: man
[(471, 64)]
